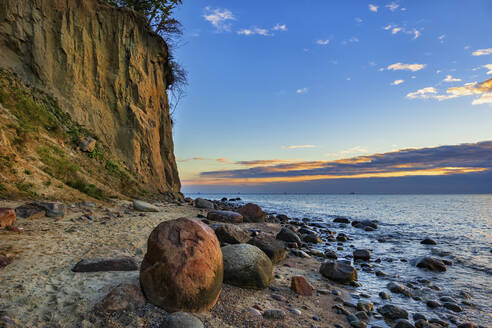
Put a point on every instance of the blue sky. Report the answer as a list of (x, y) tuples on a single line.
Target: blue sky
[(340, 78)]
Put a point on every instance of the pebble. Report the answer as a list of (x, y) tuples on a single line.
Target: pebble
[(278, 297), (295, 311), (254, 311)]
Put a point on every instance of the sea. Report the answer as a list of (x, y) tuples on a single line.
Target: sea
[(461, 225)]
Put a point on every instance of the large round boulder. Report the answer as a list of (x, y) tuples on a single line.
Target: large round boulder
[(288, 235), (225, 216), (182, 269), (338, 271), (246, 266), (203, 203), (252, 213)]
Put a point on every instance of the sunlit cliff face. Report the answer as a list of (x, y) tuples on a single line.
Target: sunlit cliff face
[(439, 161)]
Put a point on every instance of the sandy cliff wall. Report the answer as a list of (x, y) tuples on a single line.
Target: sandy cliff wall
[(106, 69)]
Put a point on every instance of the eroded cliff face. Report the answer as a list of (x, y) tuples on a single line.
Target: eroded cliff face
[(106, 69)]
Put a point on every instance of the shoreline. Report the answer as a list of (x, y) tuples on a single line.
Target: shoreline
[(45, 253)]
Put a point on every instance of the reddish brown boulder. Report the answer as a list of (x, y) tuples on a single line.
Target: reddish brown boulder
[(7, 217), (252, 213), (182, 269), (301, 286), (124, 297)]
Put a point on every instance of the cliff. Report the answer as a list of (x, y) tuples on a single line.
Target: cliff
[(106, 69)]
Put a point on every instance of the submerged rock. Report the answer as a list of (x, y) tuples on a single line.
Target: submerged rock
[(393, 312), (431, 263), (428, 241), (362, 254), (182, 269), (338, 271), (124, 263), (246, 266)]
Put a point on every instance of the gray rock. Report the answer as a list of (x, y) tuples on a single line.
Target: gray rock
[(273, 248), (30, 211), (311, 238), (338, 271), (225, 216), (274, 314), (295, 311), (421, 323), (341, 220), (362, 315), (431, 263), (403, 323), (384, 295), (203, 203), (396, 287), (452, 306), (144, 207), (231, 234), (316, 252), (125, 263), (87, 144), (393, 312), (299, 253), (330, 254), (433, 304), (428, 241), (366, 306), (53, 210), (182, 320), (247, 266), (362, 254), (419, 316), (288, 236)]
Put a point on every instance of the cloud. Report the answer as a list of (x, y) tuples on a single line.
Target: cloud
[(449, 78), (262, 162), (424, 93), (395, 29), (392, 6), (299, 147), (483, 89), (441, 38), (219, 18), (408, 67), (254, 31), (302, 91), (373, 8), (280, 27), (323, 42), (397, 82), (437, 161), (350, 151), (489, 67), (358, 20), (482, 52)]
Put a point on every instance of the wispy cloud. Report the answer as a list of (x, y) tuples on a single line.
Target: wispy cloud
[(373, 8), (299, 146), (358, 19), (219, 18), (397, 82), (353, 39), (489, 67), (255, 31), (482, 52), (442, 38), (408, 67), (449, 78), (323, 42), (423, 93), (436, 161), (350, 151), (393, 6), (302, 91), (395, 29), (280, 27)]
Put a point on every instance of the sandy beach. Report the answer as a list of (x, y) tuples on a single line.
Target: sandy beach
[(39, 288)]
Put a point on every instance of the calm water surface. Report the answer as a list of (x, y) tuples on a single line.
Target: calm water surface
[(461, 224)]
